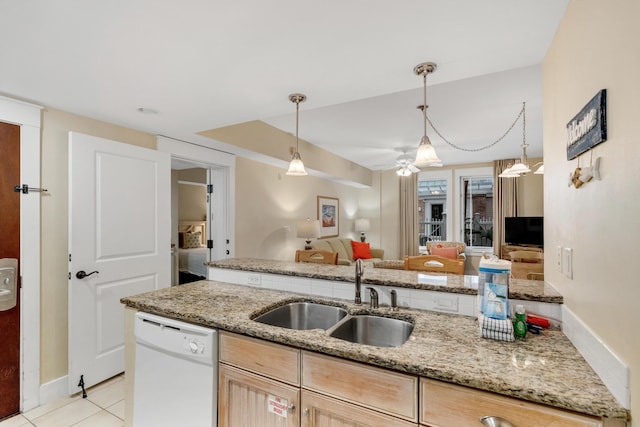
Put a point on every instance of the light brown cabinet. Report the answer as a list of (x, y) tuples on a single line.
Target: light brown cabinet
[(449, 405), (258, 379), (319, 411), (247, 399)]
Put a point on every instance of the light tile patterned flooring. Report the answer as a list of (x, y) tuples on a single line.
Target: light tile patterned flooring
[(103, 407)]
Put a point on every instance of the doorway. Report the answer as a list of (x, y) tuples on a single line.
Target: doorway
[(10, 248)]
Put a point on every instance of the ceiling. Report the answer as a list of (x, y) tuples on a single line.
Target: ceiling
[(204, 64)]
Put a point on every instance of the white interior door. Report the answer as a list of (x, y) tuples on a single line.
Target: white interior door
[(119, 228)]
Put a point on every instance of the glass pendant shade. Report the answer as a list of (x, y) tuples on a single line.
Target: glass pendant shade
[(509, 173), (520, 168), (296, 167), (426, 155), (540, 170), (403, 171)]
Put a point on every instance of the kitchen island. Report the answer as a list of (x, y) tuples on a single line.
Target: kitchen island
[(544, 369)]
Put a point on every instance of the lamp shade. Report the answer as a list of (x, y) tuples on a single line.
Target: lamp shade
[(308, 228), (426, 155), (362, 224)]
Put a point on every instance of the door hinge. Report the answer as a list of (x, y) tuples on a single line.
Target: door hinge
[(210, 188), (210, 244), (69, 257), (69, 275)]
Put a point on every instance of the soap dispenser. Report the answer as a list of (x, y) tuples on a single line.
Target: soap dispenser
[(520, 324)]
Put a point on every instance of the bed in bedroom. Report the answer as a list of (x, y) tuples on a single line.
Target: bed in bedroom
[(192, 248)]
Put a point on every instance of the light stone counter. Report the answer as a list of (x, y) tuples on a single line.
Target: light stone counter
[(528, 290), (545, 368)]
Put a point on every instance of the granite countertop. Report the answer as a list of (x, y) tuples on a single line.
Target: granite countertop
[(544, 368), (528, 290)]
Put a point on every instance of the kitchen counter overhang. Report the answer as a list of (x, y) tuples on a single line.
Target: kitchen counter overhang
[(544, 369), (527, 290)]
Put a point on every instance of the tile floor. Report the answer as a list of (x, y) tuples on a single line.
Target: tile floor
[(103, 407)]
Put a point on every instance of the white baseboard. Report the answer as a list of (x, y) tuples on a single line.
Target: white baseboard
[(54, 390), (613, 371)]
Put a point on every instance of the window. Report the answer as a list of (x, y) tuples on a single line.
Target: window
[(457, 205), (432, 197), (476, 209)]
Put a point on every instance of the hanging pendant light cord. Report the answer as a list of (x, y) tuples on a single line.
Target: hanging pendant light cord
[(297, 109), (479, 148), (424, 109)]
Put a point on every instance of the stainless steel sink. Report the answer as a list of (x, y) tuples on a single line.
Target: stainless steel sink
[(303, 315), (373, 330)]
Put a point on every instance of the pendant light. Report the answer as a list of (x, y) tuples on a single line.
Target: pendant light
[(296, 167), (426, 155)]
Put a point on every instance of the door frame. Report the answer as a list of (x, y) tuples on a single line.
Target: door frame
[(223, 167), (28, 117)]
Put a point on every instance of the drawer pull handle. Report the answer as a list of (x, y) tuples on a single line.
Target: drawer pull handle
[(492, 421)]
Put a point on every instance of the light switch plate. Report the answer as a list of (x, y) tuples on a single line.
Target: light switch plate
[(567, 262)]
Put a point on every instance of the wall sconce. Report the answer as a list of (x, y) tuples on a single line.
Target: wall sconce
[(362, 225), (308, 229)]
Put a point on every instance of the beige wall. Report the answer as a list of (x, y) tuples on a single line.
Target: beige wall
[(192, 201), (268, 201), (53, 299), (596, 47)]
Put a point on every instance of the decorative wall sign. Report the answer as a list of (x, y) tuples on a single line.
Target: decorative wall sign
[(329, 216), (589, 127)]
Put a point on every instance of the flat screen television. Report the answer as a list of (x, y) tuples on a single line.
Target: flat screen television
[(524, 231)]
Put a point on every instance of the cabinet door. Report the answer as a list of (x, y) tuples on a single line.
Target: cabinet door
[(322, 411), (249, 400)]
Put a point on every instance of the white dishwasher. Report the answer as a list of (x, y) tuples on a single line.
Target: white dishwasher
[(176, 373)]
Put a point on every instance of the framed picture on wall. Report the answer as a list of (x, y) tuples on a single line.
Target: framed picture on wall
[(329, 216)]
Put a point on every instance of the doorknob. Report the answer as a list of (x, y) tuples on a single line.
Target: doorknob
[(82, 274)]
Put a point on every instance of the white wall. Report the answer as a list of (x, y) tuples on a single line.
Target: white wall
[(596, 47)]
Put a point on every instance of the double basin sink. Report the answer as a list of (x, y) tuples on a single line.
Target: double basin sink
[(362, 328)]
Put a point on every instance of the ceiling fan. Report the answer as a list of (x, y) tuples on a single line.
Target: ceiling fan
[(404, 164)]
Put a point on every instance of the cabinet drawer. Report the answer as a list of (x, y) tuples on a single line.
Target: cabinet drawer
[(376, 388), (444, 405), (272, 360)]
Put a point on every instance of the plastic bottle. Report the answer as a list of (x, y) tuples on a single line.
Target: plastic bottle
[(520, 324)]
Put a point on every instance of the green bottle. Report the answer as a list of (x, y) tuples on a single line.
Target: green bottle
[(520, 324)]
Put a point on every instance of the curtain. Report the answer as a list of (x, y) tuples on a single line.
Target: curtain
[(505, 202), (408, 215)]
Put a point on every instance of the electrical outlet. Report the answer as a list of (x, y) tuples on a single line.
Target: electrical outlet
[(567, 262), (254, 279), (559, 258)]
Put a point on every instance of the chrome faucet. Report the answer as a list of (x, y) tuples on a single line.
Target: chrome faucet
[(394, 300), (359, 267), (373, 298)]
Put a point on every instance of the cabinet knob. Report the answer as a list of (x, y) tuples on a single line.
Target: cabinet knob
[(492, 421), (291, 408), (305, 411)]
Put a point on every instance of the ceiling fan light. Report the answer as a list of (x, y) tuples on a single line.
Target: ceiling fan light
[(426, 155), (296, 167), (403, 171)]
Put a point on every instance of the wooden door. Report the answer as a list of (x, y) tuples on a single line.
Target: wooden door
[(322, 411), (250, 400), (10, 248), (120, 237)]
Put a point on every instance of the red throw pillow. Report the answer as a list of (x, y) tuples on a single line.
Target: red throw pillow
[(361, 250), (451, 252)]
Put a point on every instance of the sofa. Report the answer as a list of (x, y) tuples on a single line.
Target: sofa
[(345, 250)]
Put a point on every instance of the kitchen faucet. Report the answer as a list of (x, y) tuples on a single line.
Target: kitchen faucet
[(359, 267), (373, 298)]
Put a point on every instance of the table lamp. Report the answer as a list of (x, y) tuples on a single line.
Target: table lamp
[(362, 225), (308, 229)]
